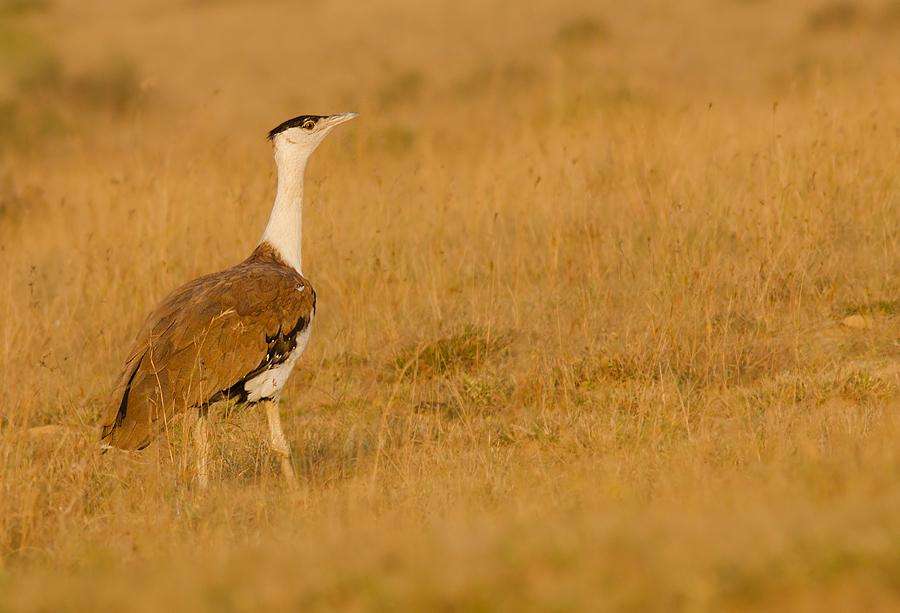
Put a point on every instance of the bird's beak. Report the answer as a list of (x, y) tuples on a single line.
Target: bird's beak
[(334, 120)]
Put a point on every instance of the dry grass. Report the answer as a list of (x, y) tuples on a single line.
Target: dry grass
[(581, 271)]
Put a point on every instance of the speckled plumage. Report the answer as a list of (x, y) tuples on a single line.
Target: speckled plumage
[(204, 340)]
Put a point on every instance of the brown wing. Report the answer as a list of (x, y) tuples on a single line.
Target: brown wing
[(202, 341)]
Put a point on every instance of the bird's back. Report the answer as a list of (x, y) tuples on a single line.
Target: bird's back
[(205, 341)]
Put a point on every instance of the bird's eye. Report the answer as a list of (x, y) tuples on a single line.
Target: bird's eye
[(309, 124)]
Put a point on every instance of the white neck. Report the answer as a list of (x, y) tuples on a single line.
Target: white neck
[(284, 230)]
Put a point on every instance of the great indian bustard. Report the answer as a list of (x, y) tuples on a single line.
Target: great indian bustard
[(235, 334)]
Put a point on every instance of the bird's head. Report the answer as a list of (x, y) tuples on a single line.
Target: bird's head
[(299, 136)]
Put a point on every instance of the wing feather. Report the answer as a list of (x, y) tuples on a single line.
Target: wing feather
[(200, 342)]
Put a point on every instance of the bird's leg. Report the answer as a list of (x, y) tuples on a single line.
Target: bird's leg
[(201, 444), (279, 442)]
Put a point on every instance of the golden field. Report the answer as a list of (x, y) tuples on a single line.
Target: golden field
[(609, 303)]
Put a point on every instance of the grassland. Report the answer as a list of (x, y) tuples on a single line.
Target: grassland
[(609, 303)]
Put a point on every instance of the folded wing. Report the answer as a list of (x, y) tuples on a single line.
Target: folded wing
[(201, 342)]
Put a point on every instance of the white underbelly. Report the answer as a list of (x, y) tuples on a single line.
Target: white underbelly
[(268, 384)]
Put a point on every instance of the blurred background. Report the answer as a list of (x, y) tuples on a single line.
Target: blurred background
[(468, 69)]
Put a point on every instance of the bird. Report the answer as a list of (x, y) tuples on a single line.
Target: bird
[(231, 335)]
